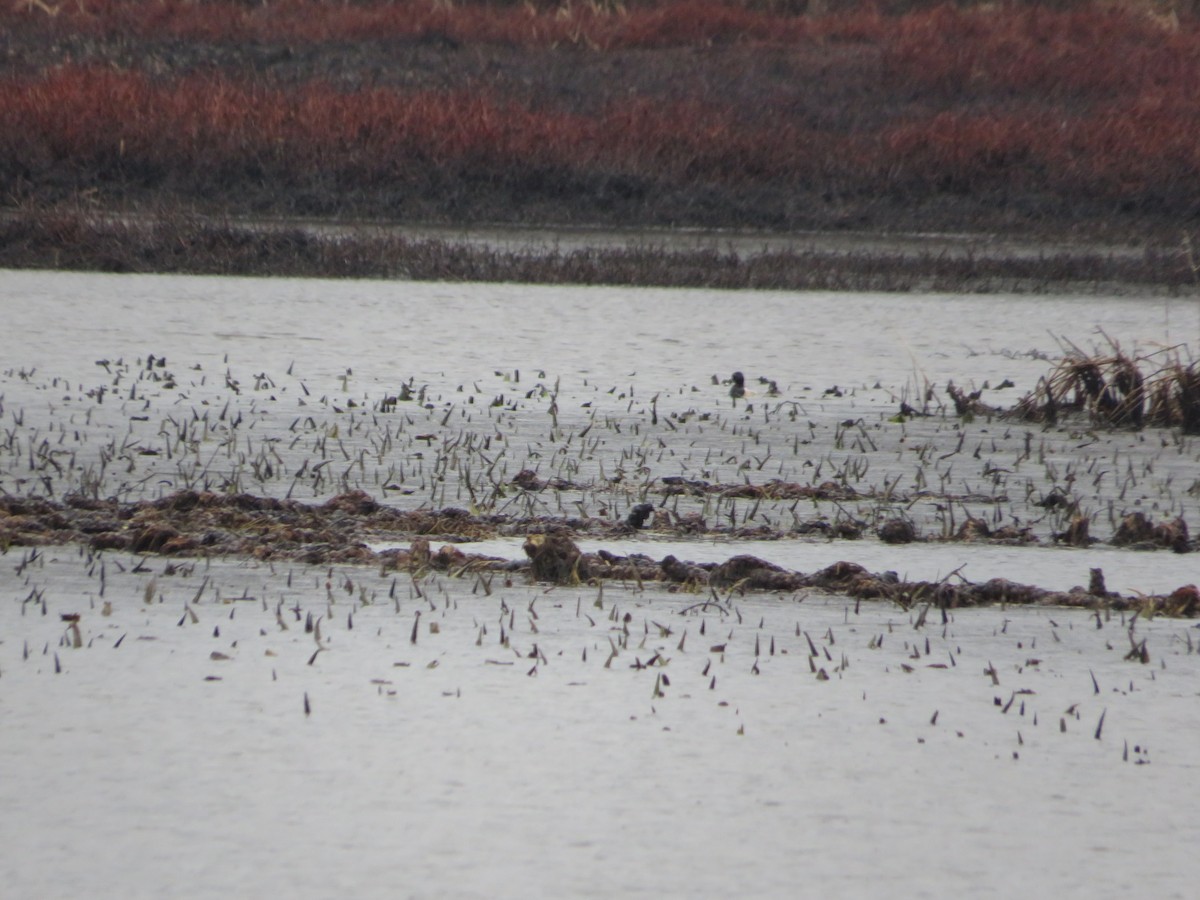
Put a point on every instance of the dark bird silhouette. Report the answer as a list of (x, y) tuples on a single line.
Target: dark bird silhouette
[(639, 514), (739, 386)]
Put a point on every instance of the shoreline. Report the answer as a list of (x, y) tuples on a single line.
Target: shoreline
[(188, 243)]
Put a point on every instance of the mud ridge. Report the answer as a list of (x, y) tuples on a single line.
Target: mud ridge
[(192, 524)]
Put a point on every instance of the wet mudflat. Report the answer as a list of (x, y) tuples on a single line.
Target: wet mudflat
[(233, 720)]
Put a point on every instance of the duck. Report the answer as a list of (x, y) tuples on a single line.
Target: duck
[(739, 386)]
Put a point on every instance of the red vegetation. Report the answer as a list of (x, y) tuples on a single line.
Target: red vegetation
[(1094, 52), (668, 23), (1028, 112)]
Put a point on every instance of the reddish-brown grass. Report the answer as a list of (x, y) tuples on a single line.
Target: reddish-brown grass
[(114, 122), (1026, 112), (594, 25), (105, 118), (1093, 52)]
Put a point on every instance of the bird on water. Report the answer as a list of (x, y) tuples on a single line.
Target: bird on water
[(739, 386)]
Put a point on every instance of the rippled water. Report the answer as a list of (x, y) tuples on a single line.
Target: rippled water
[(999, 752), (389, 331)]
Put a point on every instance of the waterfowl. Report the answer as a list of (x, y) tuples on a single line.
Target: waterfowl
[(739, 386), (639, 515)]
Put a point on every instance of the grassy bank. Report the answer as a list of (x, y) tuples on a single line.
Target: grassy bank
[(1072, 122), (188, 244)]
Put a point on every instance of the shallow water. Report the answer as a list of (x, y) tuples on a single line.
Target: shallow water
[(1054, 568), (459, 766), (277, 389), (450, 333)]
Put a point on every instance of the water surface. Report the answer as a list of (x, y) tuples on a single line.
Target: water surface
[(572, 741)]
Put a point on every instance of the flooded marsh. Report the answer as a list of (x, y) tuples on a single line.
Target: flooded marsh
[(225, 665)]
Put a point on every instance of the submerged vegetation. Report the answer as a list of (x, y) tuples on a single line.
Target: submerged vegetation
[(666, 113), (292, 138), (151, 460), (190, 525)]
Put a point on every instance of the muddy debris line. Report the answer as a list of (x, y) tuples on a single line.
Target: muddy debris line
[(146, 458), (189, 524)]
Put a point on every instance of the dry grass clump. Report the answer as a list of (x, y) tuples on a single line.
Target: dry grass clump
[(1175, 397), (555, 557), (1117, 390), (1136, 530)]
